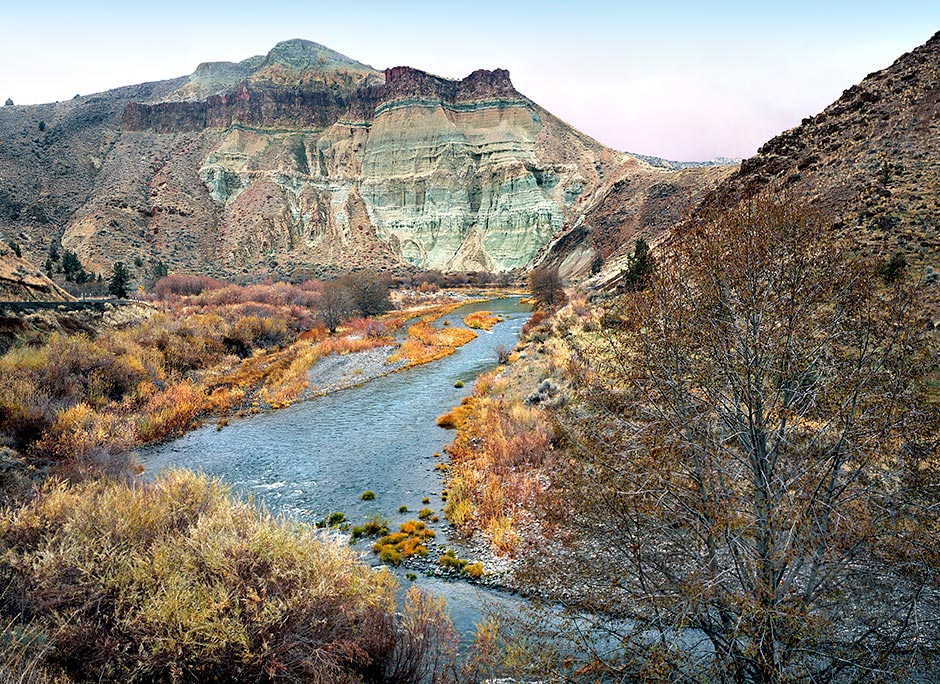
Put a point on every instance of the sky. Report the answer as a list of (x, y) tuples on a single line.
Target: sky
[(681, 80)]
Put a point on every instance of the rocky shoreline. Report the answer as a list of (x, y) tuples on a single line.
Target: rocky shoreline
[(342, 371)]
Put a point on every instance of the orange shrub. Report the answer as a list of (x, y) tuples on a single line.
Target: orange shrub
[(425, 343), (482, 320), (80, 431), (171, 412), (495, 456)]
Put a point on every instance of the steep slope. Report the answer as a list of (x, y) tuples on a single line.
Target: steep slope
[(20, 281), (870, 161), (635, 202), (457, 175), (50, 156)]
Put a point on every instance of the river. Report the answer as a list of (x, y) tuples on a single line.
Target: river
[(318, 456)]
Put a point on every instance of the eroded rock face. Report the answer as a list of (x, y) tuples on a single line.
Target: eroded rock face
[(305, 161), (418, 169), (20, 281), (456, 183)]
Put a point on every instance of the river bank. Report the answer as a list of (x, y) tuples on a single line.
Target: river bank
[(371, 431)]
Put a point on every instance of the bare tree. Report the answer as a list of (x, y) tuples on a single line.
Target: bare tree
[(745, 458), (335, 304), (546, 286), (368, 291)]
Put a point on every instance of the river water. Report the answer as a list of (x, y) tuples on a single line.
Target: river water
[(316, 457)]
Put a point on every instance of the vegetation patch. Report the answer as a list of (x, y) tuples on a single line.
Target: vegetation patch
[(376, 527), (450, 560), (425, 343), (78, 401), (177, 581), (500, 444), (409, 541), (481, 320)]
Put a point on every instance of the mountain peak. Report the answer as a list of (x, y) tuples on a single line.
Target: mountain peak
[(302, 55)]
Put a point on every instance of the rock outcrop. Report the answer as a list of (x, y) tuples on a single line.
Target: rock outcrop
[(300, 162), (20, 281)]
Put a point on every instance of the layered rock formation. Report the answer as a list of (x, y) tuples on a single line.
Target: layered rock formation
[(298, 162)]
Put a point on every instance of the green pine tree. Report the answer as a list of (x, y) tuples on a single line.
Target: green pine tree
[(120, 280)]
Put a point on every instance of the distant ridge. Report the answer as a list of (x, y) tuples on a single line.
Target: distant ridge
[(661, 163)]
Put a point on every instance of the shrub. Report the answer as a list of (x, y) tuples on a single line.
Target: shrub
[(458, 384), (447, 421), (336, 518), (546, 286), (425, 513), (185, 285), (377, 526), (388, 554), (407, 542), (368, 495), (449, 560), (368, 291), (179, 582), (426, 343), (474, 570), (481, 320), (892, 269), (494, 459)]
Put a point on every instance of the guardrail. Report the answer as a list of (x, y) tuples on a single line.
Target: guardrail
[(80, 305)]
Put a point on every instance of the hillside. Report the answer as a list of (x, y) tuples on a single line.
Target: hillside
[(870, 161), (633, 203), (20, 281), (301, 162)]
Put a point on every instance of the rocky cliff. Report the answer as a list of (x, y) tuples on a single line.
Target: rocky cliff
[(297, 162)]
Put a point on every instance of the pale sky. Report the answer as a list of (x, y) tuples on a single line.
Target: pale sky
[(681, 80)]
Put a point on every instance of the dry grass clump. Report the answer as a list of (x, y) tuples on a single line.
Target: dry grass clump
[(409, 541), (377, 526), (425, 343), (177, 581), (450, 560), (481, 320), (500, 443)]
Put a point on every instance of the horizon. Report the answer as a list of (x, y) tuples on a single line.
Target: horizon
[(632, 77)]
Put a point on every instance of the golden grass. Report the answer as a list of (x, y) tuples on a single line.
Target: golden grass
[(425, 343), (409, 541), (481, 320), (495, 454), (177, 576)]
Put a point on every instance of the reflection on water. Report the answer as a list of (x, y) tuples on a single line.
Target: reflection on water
[(318, 456)]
